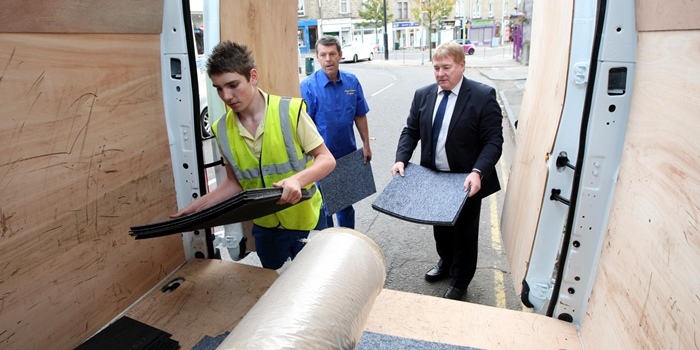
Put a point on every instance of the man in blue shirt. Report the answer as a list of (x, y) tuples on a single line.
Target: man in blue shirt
[(335, 102)]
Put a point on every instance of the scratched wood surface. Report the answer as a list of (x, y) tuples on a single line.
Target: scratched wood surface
[(213, 298), (647, 288), (75, 16), (655, 15), (539, 118), (84, 156), (269, 29)]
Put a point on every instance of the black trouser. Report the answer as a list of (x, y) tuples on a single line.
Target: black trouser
[(458, 245)]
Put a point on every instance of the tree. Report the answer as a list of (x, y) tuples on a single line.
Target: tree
[(372, 12), (433, 11)]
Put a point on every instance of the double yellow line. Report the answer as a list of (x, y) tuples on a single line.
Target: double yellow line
[(497, 246)]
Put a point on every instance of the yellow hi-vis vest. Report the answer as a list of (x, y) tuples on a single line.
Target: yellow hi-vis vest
[(281, 157)]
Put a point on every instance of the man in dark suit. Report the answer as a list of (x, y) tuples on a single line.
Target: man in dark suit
[(458, 122)]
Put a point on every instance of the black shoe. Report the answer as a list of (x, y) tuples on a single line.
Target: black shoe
[(454, 293), (436, 273)]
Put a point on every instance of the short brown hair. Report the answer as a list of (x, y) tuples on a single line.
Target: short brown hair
[(230, 57)]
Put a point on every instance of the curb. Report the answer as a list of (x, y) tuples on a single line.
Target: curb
[(509, 112)]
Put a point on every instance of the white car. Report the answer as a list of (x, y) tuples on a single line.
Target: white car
[(357, 51)]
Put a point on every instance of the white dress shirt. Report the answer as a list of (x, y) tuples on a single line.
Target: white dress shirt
[(440, 154)]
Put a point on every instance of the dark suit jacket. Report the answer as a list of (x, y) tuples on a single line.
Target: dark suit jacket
[(474, 137)]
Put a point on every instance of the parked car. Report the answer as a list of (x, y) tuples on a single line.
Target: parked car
[(205, 125), (469, 48), (357, 51)]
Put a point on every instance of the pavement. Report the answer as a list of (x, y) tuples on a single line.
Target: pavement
[(510, 82)]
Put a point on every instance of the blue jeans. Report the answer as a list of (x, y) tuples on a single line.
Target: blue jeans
[(274, 246), (345, 218)]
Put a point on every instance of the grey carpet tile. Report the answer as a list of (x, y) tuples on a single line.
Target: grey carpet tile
[(423, 196), (378, 341), (350, 182), (368, 341)]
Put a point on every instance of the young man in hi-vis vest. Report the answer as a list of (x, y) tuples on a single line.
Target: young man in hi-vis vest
[(267, 141)]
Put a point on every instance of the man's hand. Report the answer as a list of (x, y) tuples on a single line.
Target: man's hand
[(472, 183), (367, 153), (291, 191), (397, 168), (185, 211)]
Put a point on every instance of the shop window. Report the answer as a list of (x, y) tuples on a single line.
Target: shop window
[(300, 37)]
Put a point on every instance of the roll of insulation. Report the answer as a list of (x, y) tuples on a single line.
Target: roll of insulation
[(321, 301)]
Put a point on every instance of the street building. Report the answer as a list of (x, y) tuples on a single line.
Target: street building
[(484, 22)]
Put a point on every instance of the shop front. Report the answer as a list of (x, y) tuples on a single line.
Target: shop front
[(370, 35), (407, 35), (482, 32), (340, 28), (307, 34)]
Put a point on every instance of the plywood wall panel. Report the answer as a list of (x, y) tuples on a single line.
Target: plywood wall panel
[(77, 16), (647, 288), (269, 29), (539, 118), (658, 15), (85, 155)]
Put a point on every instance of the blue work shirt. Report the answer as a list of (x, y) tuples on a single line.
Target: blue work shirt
[(333, 107)]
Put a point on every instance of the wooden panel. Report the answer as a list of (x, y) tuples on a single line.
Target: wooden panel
[(85, 155), (269, 29), (647, 290), (655, 15), (212, 300), (77, 16), (446, 321), (537, 126)]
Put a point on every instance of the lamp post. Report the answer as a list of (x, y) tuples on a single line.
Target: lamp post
[(386, 36), (464, 20), (422, 38)]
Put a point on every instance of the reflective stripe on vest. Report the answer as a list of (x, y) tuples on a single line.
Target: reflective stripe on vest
[(294, 164)]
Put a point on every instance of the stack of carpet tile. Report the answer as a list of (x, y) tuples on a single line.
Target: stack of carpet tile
[(247, 205)]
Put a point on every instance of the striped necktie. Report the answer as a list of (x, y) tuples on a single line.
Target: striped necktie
[(437, 123)]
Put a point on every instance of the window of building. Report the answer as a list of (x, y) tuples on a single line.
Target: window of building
[(491, 9), (477, 9), (402, 10), (505, 9), (344, 6), (300, 9)]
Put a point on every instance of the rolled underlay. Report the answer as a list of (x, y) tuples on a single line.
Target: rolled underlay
[(321, 301)]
